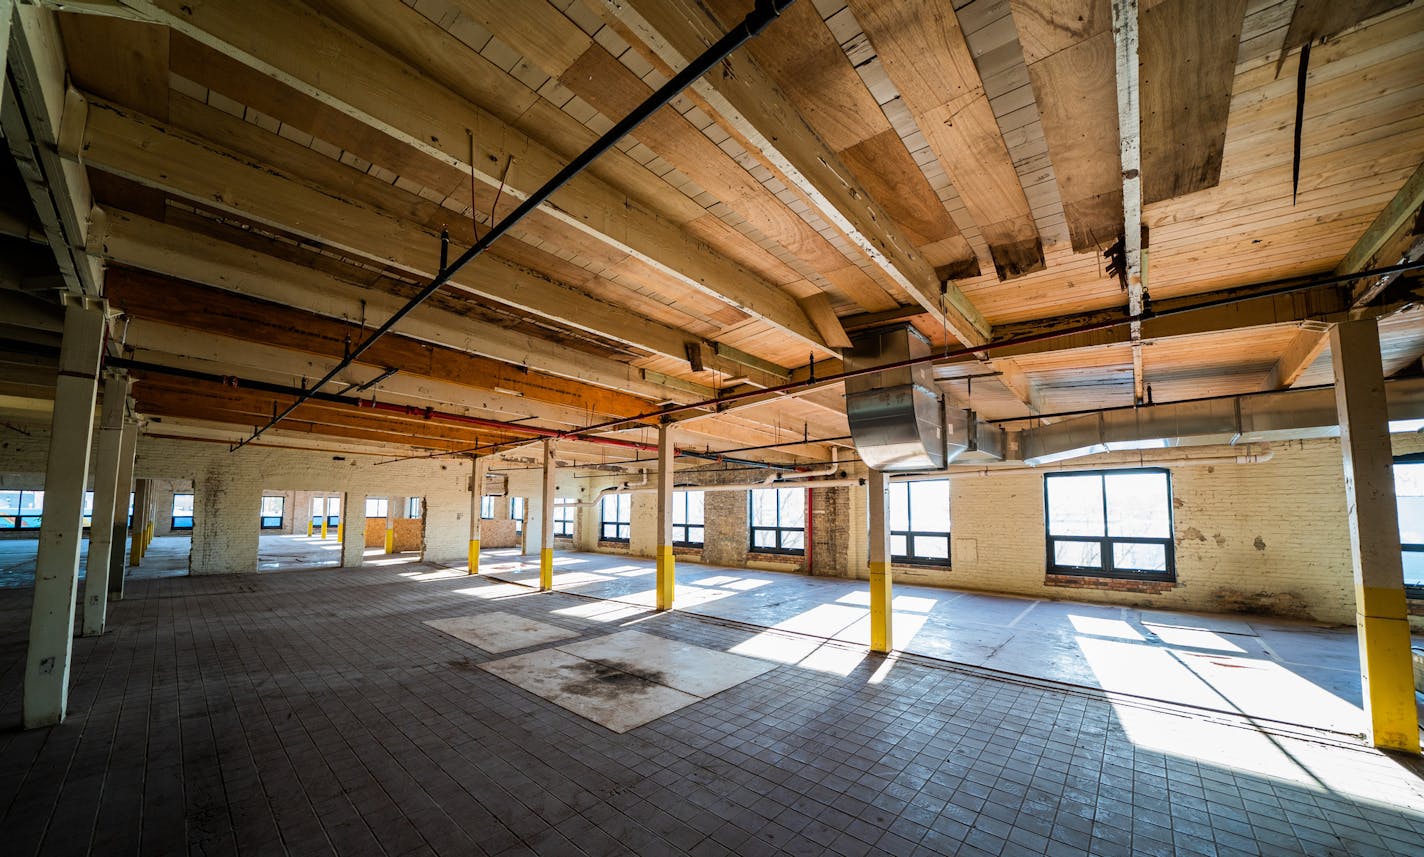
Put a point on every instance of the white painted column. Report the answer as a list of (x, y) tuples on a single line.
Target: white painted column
[(106, 480), (477, 491), (878, 555), (666, 564), (124, 486), (353, 530), (546, 517), (1381, 616), (57, 565)]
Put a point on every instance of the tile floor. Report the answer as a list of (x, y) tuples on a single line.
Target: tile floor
[(316, 712)]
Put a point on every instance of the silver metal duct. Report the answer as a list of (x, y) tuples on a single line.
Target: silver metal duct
[(895, 416), (1255, 418)]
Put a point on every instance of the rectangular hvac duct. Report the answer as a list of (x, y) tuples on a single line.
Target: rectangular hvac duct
[(895, 416)]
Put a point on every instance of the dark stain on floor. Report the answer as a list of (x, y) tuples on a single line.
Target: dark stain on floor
[(612, 680)]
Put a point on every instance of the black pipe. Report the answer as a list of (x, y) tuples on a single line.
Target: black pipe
[(1296, 285), (763, 14)]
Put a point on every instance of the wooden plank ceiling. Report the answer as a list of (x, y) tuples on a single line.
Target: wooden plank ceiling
[(275, 176)]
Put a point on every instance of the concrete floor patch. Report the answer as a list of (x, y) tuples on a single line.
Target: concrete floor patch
[(501, 632)]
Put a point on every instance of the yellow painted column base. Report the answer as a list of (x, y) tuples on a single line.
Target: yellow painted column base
[(340, 533), (546, 569), (881, 634), (390, 540), (474, 556), (323, 528), (309, 529), (667, 576), (1386, 669)]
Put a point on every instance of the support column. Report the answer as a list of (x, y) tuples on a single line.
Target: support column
[(324, 515), (546, 529), (128, 447), (1381, 615), (353, 512), (477, 491), (106, 481), (881, 636), (390, 540), (667, 565), (142, 489), (46, 692)]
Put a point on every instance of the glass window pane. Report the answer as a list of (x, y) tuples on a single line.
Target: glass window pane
[(792, 502), (333, 506), (625, 531), (929, 506), (1078, 554), (1139, 557), (182, 504), (1138, 505), (696, 507), (271, 506), (1075, 505), (932, 547), (1409, 488), (696, 535), (679, 507), (9, 502), (1414, 568), (763, 502), (897, 545), (88, 509), (793, 539), (318, 506), (899, 506), (32, 501), (764, 538)]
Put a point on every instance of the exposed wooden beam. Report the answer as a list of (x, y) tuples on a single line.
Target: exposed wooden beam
[(1315, 19), (749, 104), (376, 89), (32, 115), (1393, 228), (145, 244), (1125, 24), (923, 50), (171, 301)]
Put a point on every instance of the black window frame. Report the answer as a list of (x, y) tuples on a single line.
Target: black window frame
[(681, 499), (174, 517), (911, 558), (1411, 590), (279, 519), (1106, 542), (563, 526), (17, 518), (486, 500), (753, 529), (604, 524)]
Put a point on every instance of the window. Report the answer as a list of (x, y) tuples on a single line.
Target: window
[(1409, 492), (919, 522), (564, 518), (487, 507), (615, 518), (688, 519), (516, 511), (778, 517), (412, 507), (1110, 524), (21, 510), (273, 509), (333, 511), (88, 510), (377, 507), (182, 511), (318, 509)]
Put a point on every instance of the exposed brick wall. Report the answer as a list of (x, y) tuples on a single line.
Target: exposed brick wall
[(1108, 584)]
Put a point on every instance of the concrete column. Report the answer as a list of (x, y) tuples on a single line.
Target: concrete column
[(546, 517), (124, 485), (142, 489), (666, 564), (477, 491), (66, 472), (106, 480), (1381, 615), (881, 634), (390, 540), (323, 516), (353, 524)]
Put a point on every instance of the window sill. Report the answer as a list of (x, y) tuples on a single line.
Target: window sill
[(1109, 584), (776, 556)]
